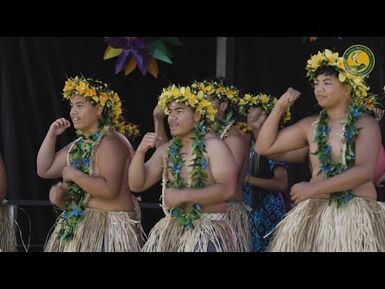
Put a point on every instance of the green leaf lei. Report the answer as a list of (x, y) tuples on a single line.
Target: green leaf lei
[(80, 157), (185, 218), (328, 166), (219, 126)]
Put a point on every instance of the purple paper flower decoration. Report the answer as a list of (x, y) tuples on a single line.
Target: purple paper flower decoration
[(132, 47), (140, 51)]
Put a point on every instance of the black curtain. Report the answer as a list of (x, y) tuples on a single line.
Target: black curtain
[(32, 75)]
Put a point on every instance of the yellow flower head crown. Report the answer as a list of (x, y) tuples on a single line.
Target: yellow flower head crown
[(189, 97), (357, 83), (98, 93), (264, 101), (217, 89)]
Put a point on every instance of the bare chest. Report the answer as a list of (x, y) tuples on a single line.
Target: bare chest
[(335, 142), (187, 168)]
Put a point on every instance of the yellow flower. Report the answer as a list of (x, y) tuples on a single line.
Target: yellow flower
[(331, 57), (192, 98), (250, 98), (264, 99), (118, 111), (211, 112), (175, 92), (90, 92), (342, 77), (243, 126), (203, 104), (340, 63), (82, 86), (220, 90), (247, 97), (316, 60), (208, 88), (217, 89), (103, 99), (357, 80)]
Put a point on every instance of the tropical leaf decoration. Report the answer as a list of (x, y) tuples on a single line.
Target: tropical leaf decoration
[(141, 52)]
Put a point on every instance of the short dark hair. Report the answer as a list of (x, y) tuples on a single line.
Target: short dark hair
[(327, 70)]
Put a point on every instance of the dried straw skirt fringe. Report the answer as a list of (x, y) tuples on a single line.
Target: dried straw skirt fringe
[(7, 230), (168, 236), (101, 231), (316, 226), (238, 217)]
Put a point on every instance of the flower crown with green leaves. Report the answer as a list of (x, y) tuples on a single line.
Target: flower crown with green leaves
[(357, 83), (98, 93), (217, 89), (194, 99), (264, 101)]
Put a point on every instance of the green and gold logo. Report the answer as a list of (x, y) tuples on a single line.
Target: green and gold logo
[(359, 60)]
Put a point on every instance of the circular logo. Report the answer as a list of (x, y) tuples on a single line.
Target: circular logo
[(359, 60)]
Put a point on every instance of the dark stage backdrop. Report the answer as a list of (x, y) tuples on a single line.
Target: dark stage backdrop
[(32, 75)]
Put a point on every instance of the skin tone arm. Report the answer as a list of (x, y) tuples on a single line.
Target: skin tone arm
[(271, 140), (50, 164), (224, 172), (278, 183), (255, 119), (3, 180), (111, 157), (369, 139), (58, 194), (238, 146), (160, 130), (294, 156), (142, 176)]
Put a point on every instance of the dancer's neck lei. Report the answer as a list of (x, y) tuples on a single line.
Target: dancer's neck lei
[(80, 157), (330, 167), (197, 176), (219, 126)]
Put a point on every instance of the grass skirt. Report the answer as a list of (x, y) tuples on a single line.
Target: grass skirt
[(213, 229), (316, 226), (7, 230), (101, 231), (237, 216)]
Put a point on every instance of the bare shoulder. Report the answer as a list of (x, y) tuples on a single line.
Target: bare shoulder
[(236, 134), (308, 121), (303, 124), (66, 148), (115, 141), (366, 120), (214, 143), (307, 124), (163, 148)]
